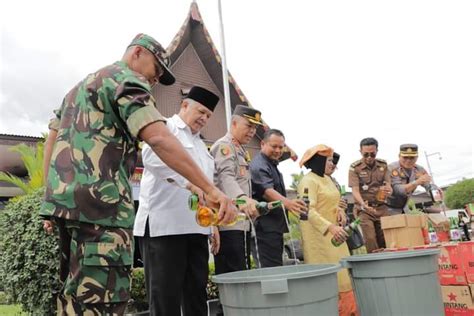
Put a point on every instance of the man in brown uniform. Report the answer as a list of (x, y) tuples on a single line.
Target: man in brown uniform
[(366, 177)]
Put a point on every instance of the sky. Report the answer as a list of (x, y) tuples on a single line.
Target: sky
[(331, 72)]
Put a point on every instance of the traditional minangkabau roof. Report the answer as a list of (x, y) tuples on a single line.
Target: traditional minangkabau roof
[(194, 32)]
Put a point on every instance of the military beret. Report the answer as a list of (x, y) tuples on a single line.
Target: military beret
[(203, 96), (249, 113), (408, 150), (152, 45)]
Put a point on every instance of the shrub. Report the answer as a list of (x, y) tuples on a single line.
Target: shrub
[(29, 258), (138, 291), (460, 194), (212, 290)]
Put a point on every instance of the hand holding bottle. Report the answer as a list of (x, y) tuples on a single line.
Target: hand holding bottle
[(338, 233), (341, 218), (227, 210), (423, 179), (296, 206), (249, 207)]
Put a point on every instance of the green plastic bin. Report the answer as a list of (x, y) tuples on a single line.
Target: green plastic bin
[(280, 291), (397, 283)]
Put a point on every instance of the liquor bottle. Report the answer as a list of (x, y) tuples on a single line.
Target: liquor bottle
[(381, 195), (349, 230), (432, 234), (454, 233), (305, 199), (208, 216), (263, 208), (463, 228)]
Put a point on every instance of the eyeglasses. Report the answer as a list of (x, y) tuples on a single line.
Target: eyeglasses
[(372, 155)]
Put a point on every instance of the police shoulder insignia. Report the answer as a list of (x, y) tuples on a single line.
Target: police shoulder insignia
[(381, 160), (394, 173), (225, 150)]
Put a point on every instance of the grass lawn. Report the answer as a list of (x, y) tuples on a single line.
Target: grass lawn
[(10, 310)]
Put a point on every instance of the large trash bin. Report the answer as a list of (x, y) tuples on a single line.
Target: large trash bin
[(397, 283), (280, 291)]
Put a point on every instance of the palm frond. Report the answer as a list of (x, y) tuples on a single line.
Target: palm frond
[(7, 177)]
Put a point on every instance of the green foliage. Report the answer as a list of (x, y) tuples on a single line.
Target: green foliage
[(138, 291), (212, 290), (33, 160), (29, 257), (4, 299), (11, 310), (296, 179), (460, 194)]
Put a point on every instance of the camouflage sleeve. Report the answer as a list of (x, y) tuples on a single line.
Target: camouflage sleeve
[(225, 171), (136, 106), (397, 184)]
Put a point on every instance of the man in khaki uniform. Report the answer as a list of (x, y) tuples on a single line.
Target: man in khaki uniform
[(232, 175), (366, 177)]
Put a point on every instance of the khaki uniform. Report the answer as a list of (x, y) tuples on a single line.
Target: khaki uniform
[(369, 179), (232, 176)]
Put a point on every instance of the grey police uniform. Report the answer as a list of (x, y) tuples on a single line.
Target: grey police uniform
[(400, 176), (232, 177)]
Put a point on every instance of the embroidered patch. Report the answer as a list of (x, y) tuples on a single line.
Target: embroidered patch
[(225, 150), (395, 173)]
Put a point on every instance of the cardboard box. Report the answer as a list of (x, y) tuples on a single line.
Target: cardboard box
[(457, 300), (403, 230), (466, 252), (441, 226), (451, 268)]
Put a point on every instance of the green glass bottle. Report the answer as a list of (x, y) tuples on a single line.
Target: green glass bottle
[(348, 229)]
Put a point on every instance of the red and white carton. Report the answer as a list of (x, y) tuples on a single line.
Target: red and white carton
[(457, 300), (451, 269), (466, 252)]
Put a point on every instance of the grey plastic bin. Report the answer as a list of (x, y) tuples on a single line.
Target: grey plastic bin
[(397, 283), (280, 291)]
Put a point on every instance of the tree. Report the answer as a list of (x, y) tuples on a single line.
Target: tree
[(460, 194), (33, 160), (296, 179)]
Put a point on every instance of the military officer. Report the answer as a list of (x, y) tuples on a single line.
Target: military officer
[(90, 154), (406, 176), (367, 177), (232, 176)]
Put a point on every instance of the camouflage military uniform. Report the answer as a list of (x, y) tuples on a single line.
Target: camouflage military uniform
[(88, 192)]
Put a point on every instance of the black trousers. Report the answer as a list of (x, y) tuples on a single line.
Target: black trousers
[(270, 249), (176, 272), (234, 254)]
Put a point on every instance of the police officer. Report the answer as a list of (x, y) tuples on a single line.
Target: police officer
[(232, 176), (90, 154), (366, 177), (406, 176)]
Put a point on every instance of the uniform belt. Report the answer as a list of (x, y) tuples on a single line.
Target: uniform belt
[(376, 204)]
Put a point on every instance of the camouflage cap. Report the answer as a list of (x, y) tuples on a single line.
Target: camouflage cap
[(254, 116), (148, 42), (409, 150)]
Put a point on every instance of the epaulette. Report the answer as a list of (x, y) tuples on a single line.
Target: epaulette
[(381, 160), (356, 163)]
